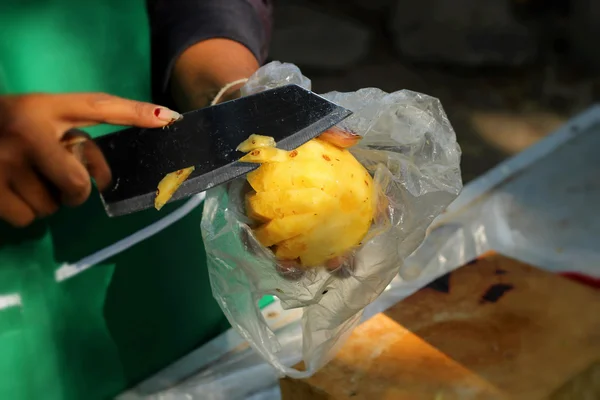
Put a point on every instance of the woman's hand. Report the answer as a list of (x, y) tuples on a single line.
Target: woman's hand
[(37, 171)]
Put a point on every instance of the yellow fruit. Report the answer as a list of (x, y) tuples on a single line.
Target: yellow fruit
[(265, 206), (312, 206), (255, 142), (288, 227), (169, 185), (265, 154)]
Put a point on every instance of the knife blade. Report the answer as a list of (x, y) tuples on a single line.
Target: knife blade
[(207, 139)]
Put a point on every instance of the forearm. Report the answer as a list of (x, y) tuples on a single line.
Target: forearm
[(203, 69), (198, 46)]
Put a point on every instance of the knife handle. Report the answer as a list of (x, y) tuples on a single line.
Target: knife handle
[(88, 153), (75, 140)]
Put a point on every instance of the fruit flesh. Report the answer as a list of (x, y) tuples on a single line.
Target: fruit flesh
[(265, 154), (169, 185), (313, 206), (255, 142)]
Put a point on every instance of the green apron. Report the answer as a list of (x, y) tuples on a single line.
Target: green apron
[(109, 327)]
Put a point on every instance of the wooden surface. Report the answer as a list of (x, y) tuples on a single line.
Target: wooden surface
[(493, 329)]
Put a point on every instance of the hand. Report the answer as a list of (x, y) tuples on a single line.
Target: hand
[(37, 172), (204, 68)]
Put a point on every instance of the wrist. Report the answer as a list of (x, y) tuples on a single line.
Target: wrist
[(206, 67)]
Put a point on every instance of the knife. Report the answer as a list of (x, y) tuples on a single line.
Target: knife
[(207, 139)]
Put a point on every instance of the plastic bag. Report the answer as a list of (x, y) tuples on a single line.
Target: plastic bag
[(410, 149), (537, 207)]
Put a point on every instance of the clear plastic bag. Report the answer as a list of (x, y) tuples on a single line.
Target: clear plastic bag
[(410, 149)]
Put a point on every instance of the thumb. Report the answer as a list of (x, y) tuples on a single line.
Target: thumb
[(84, 109)]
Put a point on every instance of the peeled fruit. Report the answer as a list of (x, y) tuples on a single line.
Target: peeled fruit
[(169, 185), (312, 204), (266, 206), (255, 142), (265, 154)]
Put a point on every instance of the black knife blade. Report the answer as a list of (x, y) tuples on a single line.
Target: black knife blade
[(207, 139)]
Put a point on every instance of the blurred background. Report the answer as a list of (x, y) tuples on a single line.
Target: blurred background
[(508, 72)]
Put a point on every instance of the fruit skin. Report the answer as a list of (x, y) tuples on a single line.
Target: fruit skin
[(316, 205)]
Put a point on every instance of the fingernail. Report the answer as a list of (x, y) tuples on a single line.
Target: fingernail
[(166, 115)]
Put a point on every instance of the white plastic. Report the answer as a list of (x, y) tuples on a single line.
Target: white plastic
[(539, 207), (410, 148)]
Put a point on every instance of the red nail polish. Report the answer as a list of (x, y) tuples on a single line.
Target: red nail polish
[(166, 115)]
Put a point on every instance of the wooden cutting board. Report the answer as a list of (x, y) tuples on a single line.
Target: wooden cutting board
[(493, 329)]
